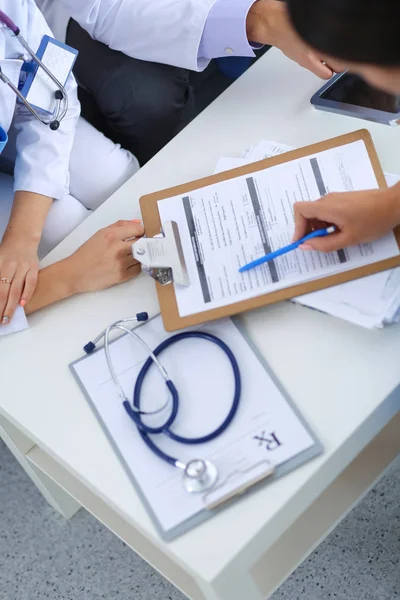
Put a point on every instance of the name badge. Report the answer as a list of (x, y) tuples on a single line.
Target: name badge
[(38, 88)]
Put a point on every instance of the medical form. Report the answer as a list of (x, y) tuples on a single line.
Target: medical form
[(231, 223)]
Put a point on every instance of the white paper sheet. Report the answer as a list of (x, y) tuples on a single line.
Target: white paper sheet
[(266, 149), (19, 322), (204, 379), (227, 225), (369, 302)]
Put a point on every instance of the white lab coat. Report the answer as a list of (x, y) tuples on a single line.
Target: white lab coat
[(98, 168), (42, 159), (76, 158), (162, 31)]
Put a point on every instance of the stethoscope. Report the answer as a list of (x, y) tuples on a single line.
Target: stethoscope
[(61, 96), (198, 475)]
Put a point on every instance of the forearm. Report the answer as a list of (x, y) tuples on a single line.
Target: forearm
[(28, 216), (262, 21), (55, 283), (153, 31)]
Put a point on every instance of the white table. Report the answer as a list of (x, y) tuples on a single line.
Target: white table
[(343, 379)]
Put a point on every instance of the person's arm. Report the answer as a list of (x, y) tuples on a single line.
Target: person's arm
[(161, 31), (101, 262), (359, 217), (18, 251), (268, 23), (225, 31), (189, 33), (41, 174)]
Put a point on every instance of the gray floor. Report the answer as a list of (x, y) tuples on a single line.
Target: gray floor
[(42, 556)]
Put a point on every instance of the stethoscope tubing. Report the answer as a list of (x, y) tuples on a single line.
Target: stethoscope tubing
[(62, 110), (134, 409), (145, 430)]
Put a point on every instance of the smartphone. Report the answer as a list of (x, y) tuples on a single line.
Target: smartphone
[(348, 94)]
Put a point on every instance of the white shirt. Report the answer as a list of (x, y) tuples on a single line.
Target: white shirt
[(162, 31), (42, 162)]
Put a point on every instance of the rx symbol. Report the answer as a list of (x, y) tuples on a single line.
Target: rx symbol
[(269, 440)]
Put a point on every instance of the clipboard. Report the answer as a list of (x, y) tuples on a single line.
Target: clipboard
[(209, 509), (166, 294)]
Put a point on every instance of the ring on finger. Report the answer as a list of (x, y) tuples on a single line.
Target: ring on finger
[(5, 280)]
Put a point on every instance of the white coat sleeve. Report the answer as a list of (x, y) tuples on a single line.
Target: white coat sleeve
[(162, 31), (42, 163)]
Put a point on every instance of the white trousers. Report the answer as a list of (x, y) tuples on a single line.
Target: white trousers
[(98, 167)]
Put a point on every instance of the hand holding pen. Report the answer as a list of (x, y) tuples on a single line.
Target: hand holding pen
[(318, 233), (358, 217), (355, 218)]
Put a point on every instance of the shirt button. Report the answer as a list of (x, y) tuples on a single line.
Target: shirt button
[(229, 50)]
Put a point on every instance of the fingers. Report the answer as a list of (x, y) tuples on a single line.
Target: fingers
[(315, 215), (301, 224), (311, 215), (330, 243), (5, 288), (128, 261), (14, 297), (122, 222), (304, 213), (29, 286), (132, 271), (127, 230), (16, 289), (320, 68)]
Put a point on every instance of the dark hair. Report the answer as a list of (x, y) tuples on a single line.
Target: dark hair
[(366, 31)]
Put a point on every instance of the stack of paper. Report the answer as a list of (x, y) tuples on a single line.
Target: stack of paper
[(371, 302)]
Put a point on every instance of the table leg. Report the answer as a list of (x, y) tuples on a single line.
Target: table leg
[(19, 445)]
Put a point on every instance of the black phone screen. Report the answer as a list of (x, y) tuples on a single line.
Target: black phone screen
[(352, 89)]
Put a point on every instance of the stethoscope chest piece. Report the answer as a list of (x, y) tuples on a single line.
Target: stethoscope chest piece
[(199, 476)]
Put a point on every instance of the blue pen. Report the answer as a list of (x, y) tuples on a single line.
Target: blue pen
[(286, 249)]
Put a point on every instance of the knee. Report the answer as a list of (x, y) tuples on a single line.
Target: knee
[(98, 167), (146, 94)]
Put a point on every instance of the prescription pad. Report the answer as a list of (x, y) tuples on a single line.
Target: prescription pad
[(267, 430)]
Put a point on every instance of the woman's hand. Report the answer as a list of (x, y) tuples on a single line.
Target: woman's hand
[(19, 263), (101, 262), (19, 267), (359, 217), (106, 258)]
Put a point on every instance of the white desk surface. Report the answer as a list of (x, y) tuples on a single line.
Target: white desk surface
[(339, 375)]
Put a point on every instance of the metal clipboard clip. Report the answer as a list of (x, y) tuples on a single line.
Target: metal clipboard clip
[(227, 491), (162, 256)]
